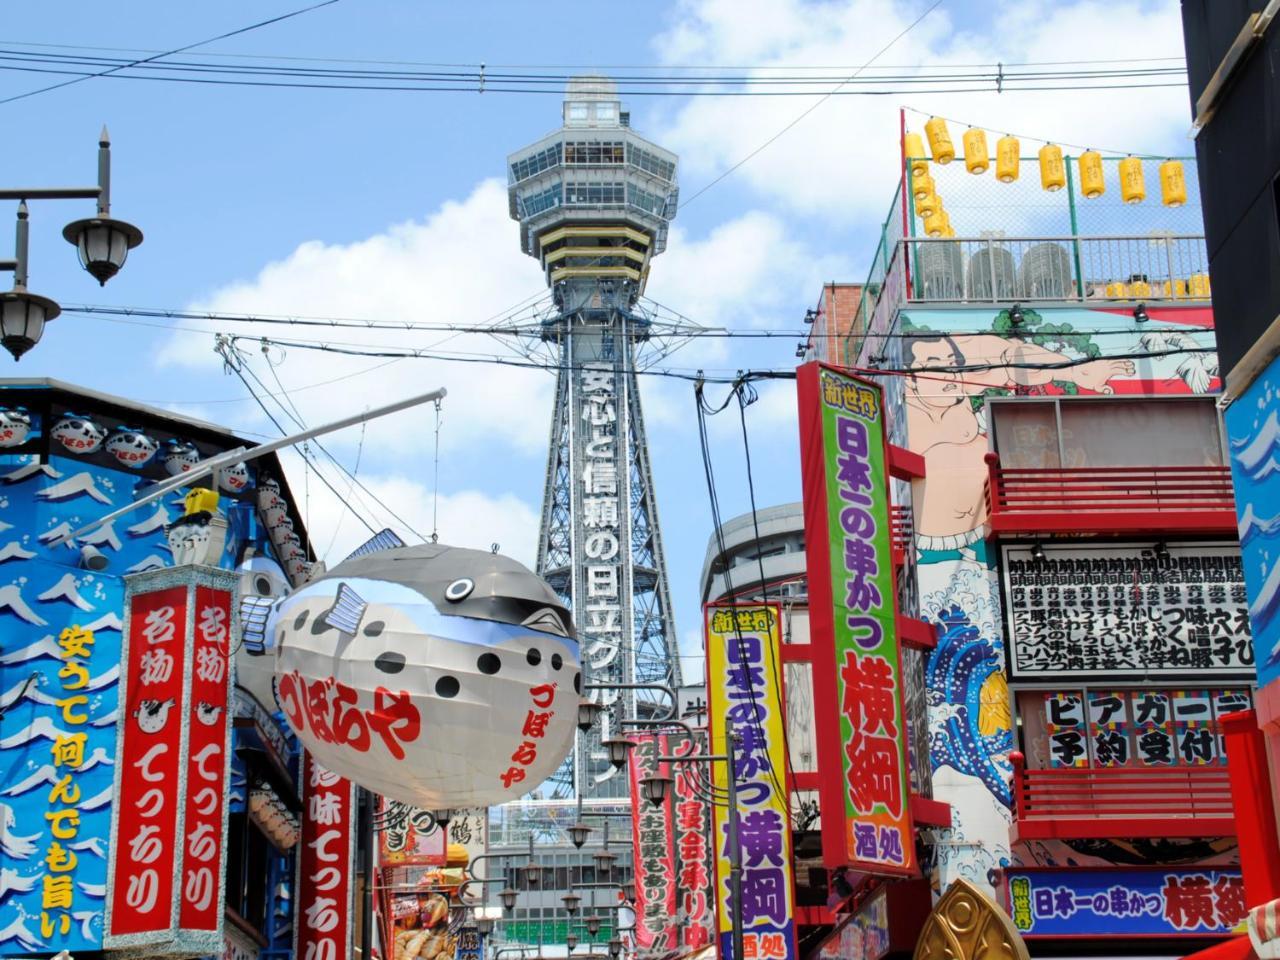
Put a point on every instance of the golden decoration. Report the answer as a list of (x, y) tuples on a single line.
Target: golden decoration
[(966, 925)]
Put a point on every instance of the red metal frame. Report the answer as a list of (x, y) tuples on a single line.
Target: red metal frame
[(1254, 806), (1109, 499), (1074, 803)]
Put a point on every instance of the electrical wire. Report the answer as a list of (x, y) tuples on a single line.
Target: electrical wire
[(191, 46)]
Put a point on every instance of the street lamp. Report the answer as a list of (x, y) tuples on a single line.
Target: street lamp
[(508, 898), (103, 245), (571, 941), (442, 817), (615, 947), (655, 789), (604, 861), (619, 748), (532, 874), (588, 710), (628, 890), (578, 834), (592, 923), (571, 901), (484, 925)]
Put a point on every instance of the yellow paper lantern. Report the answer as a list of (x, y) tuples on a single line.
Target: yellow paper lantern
[(940, 145), (1117, 291), (1173, 183), (1198, 286), (1053, 173), (975, 150), (1139, 288), (921, 186), (1093, 183), (936, 223), (1177, 290), (913, 145), (928, 204), (1007, 156), (1133, 188), (949, 231)]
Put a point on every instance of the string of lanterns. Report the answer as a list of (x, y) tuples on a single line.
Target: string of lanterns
[(1008, 160), (273, 815)]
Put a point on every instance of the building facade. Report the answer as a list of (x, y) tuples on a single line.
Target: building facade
[(69, 456)]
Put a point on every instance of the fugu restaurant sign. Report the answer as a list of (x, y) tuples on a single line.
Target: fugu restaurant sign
[(166, 874), (853, 613)]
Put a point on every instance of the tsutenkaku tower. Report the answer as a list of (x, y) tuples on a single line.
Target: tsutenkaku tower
[(594, 200)]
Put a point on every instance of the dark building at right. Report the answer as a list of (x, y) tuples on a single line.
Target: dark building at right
[(1233, 67)]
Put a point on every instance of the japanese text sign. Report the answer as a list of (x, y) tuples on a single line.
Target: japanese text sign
[(1119, 610), (322, 927), (410, 836), (744, 687), (1134, 902), (167, 864), (652, 840), (692, 826), (853, 613)]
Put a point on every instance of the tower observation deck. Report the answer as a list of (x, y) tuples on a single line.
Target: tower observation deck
[(594, 201)]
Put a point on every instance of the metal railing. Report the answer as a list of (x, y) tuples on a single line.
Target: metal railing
[(1042, 268), (1109, 498), (1081, 802)]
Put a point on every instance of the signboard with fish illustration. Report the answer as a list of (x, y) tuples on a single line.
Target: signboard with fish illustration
[(1253, 434), (433, 675), (58, 729)]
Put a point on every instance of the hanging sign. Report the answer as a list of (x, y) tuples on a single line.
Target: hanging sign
[(693, 851), (655, 871), (167, 864), (322, 928), (853, 613), (744, 685)]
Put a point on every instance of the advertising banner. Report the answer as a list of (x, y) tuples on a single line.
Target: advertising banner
[(853, 614), (1125, 902), (655, 871), (148, 760), (692, 824), (410, 836), (209, 724), (168, 862), (322, 927), (1118, 610), (744, 691)]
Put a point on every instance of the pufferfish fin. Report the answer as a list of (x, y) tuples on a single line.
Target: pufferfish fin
[(254, 614), (347, 610), (994, 715), (386, 539)]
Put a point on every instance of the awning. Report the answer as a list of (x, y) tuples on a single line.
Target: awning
[(1237, 948)]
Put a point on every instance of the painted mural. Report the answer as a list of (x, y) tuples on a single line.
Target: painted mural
[(60, 639), (1253, 433), (954, 360)]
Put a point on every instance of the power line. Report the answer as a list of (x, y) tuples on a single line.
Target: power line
[(777, 136), (199, 43)]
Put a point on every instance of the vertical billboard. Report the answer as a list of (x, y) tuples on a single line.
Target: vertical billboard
[(322, 926), (655, 870), (865, 787), (744, 694), (692, 826), (166, 871)]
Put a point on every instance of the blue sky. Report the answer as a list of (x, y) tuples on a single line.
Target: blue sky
[(392, 205)]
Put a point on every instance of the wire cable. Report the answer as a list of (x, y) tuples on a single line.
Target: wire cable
[(191, 46)]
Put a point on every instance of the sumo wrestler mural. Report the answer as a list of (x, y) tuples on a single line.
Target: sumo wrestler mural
[(954, 360)]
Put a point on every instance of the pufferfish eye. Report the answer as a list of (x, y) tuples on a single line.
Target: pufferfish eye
[(459, 590)]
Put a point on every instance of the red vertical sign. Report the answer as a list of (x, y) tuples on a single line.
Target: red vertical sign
[(148, 765), (322, 925), (694, 869), (206, 761), (654, 866)]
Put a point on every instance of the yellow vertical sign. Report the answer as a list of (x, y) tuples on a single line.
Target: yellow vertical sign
[(744, 685)]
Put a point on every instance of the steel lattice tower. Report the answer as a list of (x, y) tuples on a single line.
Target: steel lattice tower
[(593, 200)]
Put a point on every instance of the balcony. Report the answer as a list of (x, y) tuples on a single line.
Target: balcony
[(1114, 802), (1103, 500)]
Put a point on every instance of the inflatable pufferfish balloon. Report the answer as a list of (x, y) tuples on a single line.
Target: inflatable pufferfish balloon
[(434, 675)]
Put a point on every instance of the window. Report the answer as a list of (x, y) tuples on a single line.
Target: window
[(650, 163), (530, 166), (578, 111), (644, 200), (593, 194), (593, 152), (607, 111), (548, 198)]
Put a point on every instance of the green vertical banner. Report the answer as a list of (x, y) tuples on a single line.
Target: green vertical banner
[(865, 790)]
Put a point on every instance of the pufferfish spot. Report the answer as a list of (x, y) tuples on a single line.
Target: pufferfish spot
[(489, 663), (390, 662), (447, 687), (534, 656)]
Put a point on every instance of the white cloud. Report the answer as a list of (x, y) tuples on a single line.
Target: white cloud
[(842, 160), (462, 265), (467, 518)]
